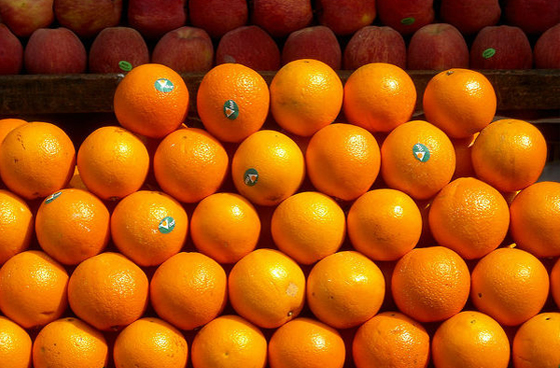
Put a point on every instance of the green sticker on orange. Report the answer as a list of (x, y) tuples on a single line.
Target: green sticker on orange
[(125, 66), (421, 152), (488, 53), (52, 197), (408, 21), (166, 225), (164, 85), (231, 110), (251, 177)]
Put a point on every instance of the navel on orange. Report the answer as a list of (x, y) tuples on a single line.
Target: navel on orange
[(152, 100), (232, 101)]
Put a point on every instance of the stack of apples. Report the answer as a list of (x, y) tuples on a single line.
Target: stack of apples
[(103, 36)]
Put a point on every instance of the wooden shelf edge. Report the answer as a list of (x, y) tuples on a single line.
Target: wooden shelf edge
[(535, 89)]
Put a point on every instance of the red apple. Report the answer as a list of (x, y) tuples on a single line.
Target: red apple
[(154, 18), (345, 17), (317, 42), (437, 46), (54, 51), (373, 44), (501, 47), (87, 18), (23, 17), (185, 49), (11, 52), (470, 16), (114, 46), (217, 17), (281, 17), (532, 16), (250, 46), (547, 49), (405, 16)]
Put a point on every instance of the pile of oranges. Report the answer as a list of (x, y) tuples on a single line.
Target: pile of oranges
[(302, 223)]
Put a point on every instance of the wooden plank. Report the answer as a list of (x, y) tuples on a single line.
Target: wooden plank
[(93, 93)]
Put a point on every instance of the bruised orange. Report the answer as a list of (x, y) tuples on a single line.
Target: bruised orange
[(190, 164), (305, 96), (470, 339), (391, 339), (70, 343), (72, 225), (113, 162), (152, 100), (379, 97), (34, 289), (36, 159), (232, 101), (460, 102), (267, 288)]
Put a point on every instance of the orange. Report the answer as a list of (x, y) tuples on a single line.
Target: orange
[(229, 341), (555, 282), (509, 154), (305, 96), (72, 225), (149, 227), (113, 162), (417, 158), (152, 100), (308, 226), (343, 161), (306, 343), (225, 227), (510, 285), (470, 339), (470, 217), (15, 345), (188, 290), (463, 149), (108, 291), (379, 97), (345, 289), (430, 284), (537, 342), (9, 124), (36, 160), (267, 288), (232, 101), (391, 339), (70, 343), (534, 216), (460, 102), (33, 289), (267, 167), (384, 224), (150, 342), (16, 225), (190, 164)]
